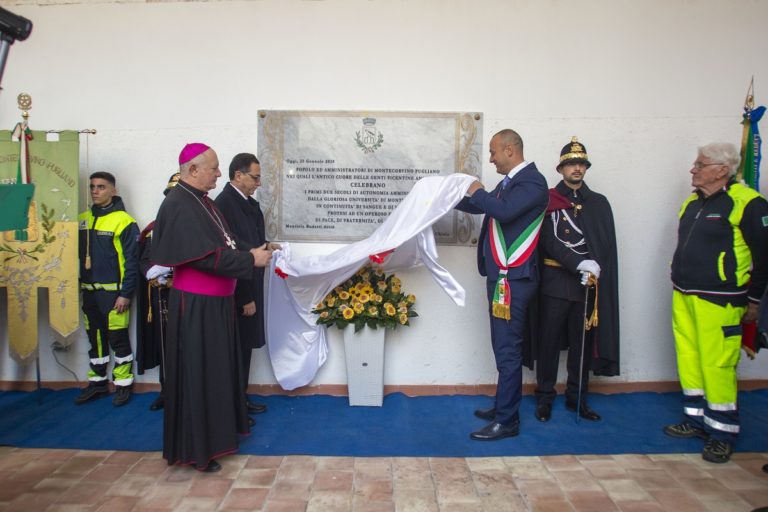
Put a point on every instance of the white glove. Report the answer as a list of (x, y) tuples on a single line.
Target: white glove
[(157, 271), (162, 280), (590, 266)]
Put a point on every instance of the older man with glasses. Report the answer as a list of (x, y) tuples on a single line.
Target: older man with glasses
[(243, 214), (719, 273)]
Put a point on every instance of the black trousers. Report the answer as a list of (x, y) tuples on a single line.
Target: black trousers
[(246, 352), (107, 330), (561, 324)]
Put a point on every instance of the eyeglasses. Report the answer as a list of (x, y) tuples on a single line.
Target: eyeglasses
[(700, 165), (254, 177)]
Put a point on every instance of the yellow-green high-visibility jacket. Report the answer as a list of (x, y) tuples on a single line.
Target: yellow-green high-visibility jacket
[(722, 246), (112, 238)]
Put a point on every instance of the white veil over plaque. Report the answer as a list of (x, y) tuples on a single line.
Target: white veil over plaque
[(297, 346)]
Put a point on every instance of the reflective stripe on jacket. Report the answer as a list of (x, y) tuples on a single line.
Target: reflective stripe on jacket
[(113, 243), (722, 245)]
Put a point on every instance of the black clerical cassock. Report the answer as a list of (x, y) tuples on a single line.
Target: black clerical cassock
[(205, 401)]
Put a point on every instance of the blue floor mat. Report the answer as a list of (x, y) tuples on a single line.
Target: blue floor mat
[(436, 426)]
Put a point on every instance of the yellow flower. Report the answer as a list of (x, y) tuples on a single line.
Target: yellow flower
[(369, 292)]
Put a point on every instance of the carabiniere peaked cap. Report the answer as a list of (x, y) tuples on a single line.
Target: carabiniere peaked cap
[(574, 152)]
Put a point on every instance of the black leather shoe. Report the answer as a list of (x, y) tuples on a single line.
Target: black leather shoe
[(486, 414), (584, 411), (543, 412), (212, 467), (495, 431), (158, 404), (251, 422), (765, 468), (91, 393), (254, 408)]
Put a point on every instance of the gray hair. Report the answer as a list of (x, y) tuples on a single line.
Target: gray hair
[(722, 152), (184, 168)]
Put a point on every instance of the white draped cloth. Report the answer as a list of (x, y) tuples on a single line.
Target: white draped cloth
[(297, 346)]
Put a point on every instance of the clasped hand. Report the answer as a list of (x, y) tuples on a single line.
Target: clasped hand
[(261, 256), (587, 268)]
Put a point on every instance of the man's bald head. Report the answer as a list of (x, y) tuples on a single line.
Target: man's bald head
[(506, 149), (510, 137)]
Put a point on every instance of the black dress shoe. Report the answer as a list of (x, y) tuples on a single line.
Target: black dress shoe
[(543, 412), (158, 403), (251, 422), (584, 411), (212, 467), (495, 431), (486, 414), (254, 408)]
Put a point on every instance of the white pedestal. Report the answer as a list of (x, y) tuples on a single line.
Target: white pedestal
[(365, 365)]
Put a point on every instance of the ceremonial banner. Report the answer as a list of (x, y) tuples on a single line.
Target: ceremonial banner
[(335, 176), (749, 169), (44, 255)]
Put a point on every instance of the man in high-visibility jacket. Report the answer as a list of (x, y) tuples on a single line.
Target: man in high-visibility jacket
[(719, 272), (109, 264)]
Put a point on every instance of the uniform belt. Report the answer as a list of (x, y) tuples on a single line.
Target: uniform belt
[(91, 287), (551, 263)]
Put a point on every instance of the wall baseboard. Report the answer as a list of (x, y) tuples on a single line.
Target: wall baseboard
[(409, 390)]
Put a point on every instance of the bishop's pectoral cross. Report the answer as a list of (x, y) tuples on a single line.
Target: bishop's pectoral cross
[(231, 243)]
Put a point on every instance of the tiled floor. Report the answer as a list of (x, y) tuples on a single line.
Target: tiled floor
[(71, 480)]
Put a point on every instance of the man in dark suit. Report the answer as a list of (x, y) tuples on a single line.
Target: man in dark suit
[(246, 221), (506, 257)]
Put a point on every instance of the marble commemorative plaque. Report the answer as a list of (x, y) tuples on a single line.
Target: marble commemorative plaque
[(334, 176)]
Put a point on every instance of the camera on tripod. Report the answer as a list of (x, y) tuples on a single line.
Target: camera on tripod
[(12, 28)]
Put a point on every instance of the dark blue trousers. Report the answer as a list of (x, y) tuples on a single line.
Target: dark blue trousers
[(507, 342)]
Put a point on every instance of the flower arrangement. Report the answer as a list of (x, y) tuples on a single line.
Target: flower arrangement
[(370, 297)]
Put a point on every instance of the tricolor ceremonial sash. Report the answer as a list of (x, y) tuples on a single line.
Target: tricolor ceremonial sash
[(510, 257)]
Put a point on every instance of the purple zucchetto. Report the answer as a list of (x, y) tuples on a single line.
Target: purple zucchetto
[(192, 150)]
